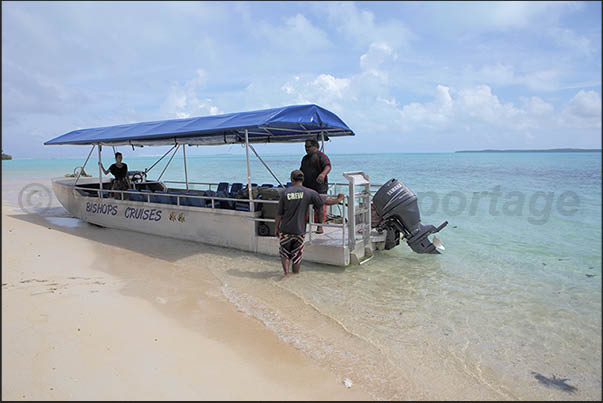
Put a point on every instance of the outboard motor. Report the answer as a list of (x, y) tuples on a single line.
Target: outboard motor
[(398, 209)]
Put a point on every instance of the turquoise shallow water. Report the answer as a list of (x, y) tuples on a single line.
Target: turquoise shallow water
[(516, 294)]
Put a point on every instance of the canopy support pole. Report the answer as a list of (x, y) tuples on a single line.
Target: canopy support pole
[(251, 206), (322, 137), (100, 173), (267, 167), (84, 166), (168, 164), (185, 172), (147, 170)]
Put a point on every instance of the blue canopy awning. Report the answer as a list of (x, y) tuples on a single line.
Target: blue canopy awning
[(287, 124)]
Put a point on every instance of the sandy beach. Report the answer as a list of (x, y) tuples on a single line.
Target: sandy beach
[(86, 319)]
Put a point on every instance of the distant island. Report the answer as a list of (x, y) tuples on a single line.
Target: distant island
[(6, 156), (551, 150)]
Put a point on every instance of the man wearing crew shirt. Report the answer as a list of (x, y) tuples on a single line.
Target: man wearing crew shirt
[(290, 221), (316, 166)]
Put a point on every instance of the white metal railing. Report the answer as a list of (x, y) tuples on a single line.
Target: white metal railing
[(311, 223), (149, 194), (168, 194)]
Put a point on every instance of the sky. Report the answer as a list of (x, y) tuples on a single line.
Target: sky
[(405, 76)]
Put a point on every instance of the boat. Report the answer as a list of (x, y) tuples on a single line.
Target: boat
[(241, 215)]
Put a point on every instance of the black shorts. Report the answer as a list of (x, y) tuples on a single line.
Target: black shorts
[(291, 247)]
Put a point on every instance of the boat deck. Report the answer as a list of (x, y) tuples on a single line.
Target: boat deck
[(333, 236)]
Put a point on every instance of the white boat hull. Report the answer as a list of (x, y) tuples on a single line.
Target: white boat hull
[(219, 227)]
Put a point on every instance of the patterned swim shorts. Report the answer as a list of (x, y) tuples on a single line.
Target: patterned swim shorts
[(291, 247)]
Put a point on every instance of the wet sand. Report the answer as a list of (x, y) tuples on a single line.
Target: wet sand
[(83, 319)]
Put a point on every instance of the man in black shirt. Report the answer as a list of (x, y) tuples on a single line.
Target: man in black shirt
[(316, 166), (120, 172), (290, 222)]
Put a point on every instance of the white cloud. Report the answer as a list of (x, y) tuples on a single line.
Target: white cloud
[(536, 106), (390, 102), (323, 89), (481, 104), (331, 86), (431, 115), (288, 88), (501, 75), (569, 40), (378, 54), (497, 16), (360, 25), (497, 74), (543, 80), (183, 101), (297, 31), (31, 92), (477, 106), (582, 111)]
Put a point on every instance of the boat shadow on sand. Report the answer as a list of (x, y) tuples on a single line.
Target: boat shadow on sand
[(167, 249)]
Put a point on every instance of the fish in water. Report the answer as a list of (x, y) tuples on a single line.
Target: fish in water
[(559, 383)]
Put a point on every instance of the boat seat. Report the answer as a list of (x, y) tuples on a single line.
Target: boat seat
[(223, 187), (234, 189), (244, 205), (210, 193), (144, 196), (222, 203), (185, 200), (194, 202), (267, 185), (163, 198), (175, 195), (135, 197)]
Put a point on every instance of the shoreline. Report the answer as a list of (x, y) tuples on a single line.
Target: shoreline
[(73, 329), (175, 299)]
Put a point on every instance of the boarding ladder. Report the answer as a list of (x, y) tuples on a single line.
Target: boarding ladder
[(359, 217)]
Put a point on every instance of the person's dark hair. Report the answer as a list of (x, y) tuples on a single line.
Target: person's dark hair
[(118, 154), (297, 176), (313, 142)]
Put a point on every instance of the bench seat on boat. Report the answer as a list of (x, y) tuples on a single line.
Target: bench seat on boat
[(163, 198), (144, 193), (135, 196), (185, 200)]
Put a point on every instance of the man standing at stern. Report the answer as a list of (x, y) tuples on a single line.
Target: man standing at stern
[(316, 166), (290, 222)]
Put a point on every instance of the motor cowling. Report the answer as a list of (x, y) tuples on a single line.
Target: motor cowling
[(398, 208)]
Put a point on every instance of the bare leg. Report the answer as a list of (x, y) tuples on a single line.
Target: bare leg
[(320, 218), (285, 263), (296, 268)]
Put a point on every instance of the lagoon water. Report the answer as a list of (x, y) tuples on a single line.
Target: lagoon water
[(511, 310)]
